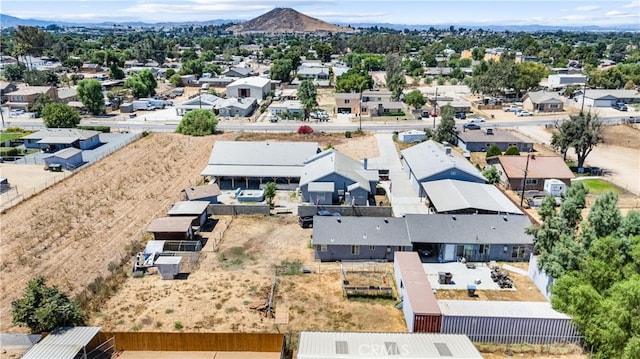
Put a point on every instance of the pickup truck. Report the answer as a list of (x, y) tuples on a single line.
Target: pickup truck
[(512, 108)]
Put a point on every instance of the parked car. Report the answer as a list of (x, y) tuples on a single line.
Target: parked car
[(619, 106), (16, 112), (471, 126), (461, 115), (306, 222), (512, 108), (476, 119), (524, 113), (633, 119)]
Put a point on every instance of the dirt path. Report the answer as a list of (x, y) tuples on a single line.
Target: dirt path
[(72, 231)]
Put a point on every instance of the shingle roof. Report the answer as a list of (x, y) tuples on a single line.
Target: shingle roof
[(598, 94), (544, 97), (373, 231), (198, 192), (65, 153), (170, 224), (451, 195), (468, 228), (31, 90), (429, 158), (347, 96), (539, 167), (497, 136), (331, 161)]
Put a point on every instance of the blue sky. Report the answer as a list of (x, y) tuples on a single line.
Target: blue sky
[(413, 12)]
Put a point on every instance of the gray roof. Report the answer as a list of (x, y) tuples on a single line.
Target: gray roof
[(499, 309), (197, 192), (65, 153), (240, 70), (58, 140), (598, 94), (62, 132), (454, 103), (373, 231), (251, 81), (244, 103), (372, 93), (429, 158), (544, 97), (331, 161), (451, 195), (325, 345), (468, 228), (259, 159), (62, 343), (170, 224), (497, 136), (202, 100), (66, 92), (188, 208)]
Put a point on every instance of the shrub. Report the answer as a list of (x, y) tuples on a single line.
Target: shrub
[(512, 151), (199, 122), (305, 130), (177, 326), (13, 129), (347, 134), (493, 151), (103, 129)]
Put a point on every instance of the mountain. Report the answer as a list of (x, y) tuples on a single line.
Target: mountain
[(10, 21), (286, 20)]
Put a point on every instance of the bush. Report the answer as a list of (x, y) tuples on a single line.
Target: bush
[(9, 151), (198, 123), (493, 151), (103, 129), (512, 151), (400, 113), (305, 130), (13, 129), (347, 134)]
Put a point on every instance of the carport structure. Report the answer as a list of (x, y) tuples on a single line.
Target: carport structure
[(249, 165), (67, 343)]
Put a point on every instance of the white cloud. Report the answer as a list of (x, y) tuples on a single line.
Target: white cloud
[(632, 4), (574, 18), (587, 8), (616, 13)]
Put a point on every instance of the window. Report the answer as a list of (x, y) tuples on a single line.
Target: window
[(518, 251), (464, 251), (355, 250), (347, 101), (554, 105), (372, 248), (531, 181), (321, 247), (484, 249), (401, 248)]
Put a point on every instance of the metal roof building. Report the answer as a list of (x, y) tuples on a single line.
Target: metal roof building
[(208, 192), (192, 209), (419, 304), (349, 230), (507, 321), (64, 343), (325, 345), (452, 196), (431, 161), (253, 163)]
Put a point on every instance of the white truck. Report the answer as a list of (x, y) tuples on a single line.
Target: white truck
[(142, 105)]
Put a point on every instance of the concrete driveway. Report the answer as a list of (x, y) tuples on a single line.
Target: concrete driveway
[(402, 195)]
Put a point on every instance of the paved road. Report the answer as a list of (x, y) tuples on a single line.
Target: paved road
[(403, 198)]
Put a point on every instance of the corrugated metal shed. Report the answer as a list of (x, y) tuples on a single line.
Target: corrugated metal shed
[(182, 208), (507, 322), (63, 343), (65, 153), (451, 195), (321, 345)]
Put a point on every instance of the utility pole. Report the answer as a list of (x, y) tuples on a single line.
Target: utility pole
[(584, 93), (524, 181), (435, 109)]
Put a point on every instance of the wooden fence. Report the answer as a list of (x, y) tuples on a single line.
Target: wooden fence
[(176, 342)]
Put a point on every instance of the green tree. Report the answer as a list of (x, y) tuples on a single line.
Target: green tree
[(43, 308), (176, 80), (308, 94), (14, 72), (60, 115), (604, 215), (354, 80), (446, 130), (198, 123), (115, 72), (394, 76), (582, 132), (493, 151), (512, 151), (40, 101), (415, 99), (270, 192), (281, 70), (492, 175), (528, 76), (90, 93)]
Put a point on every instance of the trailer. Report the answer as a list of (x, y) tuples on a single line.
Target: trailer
[(142, 105)]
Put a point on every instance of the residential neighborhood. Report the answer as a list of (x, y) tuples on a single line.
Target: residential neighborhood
[(285, 187)]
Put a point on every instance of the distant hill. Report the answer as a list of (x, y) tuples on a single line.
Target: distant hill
[(286, 20), (10, 21)]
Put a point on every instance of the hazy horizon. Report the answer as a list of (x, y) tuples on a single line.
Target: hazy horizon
[(407, 12)]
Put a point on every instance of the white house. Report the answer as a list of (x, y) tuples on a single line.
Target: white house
[(256, 87)]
